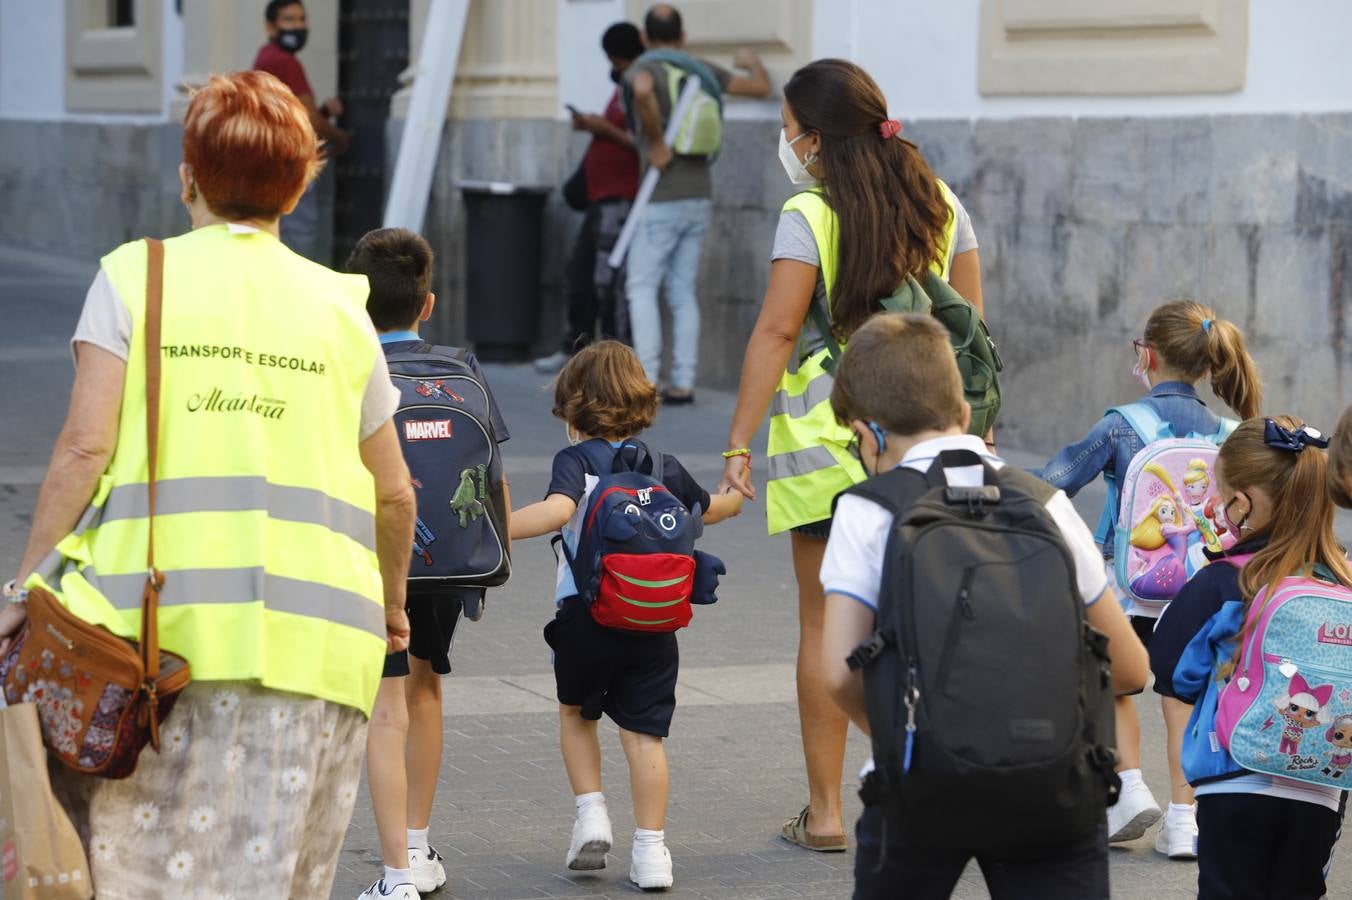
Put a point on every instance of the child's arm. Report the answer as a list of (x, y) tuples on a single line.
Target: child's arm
[(1080, 463), (723, 506), (550, 514), (1129, 663), (847, 624)]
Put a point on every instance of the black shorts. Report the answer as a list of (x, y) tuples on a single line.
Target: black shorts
[(628, 675), (432, 619)]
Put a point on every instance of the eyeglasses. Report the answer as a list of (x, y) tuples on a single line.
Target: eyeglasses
[(1139, 344), (852, 448)]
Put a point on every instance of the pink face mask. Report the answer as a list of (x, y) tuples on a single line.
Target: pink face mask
[(1141, 374)]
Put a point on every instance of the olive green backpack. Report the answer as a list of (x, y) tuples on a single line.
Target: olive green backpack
[(978, 361)]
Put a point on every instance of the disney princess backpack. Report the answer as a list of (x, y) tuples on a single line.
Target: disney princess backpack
[(1167, 506), (1287, 708)]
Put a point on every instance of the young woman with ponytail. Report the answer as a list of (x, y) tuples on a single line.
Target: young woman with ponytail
[(1260, 835), (1183, 343), (870, 212)]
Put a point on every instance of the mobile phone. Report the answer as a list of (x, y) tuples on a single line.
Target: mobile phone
[(572, 109)]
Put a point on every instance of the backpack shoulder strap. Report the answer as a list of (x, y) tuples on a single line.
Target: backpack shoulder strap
[(1027, 483), (1144, 421), (895, 491)]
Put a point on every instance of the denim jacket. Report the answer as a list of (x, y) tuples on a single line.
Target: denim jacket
[(1112, 443)]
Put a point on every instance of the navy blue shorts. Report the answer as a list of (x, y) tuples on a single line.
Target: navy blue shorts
[(432, 620), (628, 675)]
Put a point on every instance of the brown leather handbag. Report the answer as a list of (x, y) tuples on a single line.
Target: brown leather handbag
[(101, 697)]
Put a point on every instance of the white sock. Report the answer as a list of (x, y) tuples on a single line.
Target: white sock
[(397, 876), (592, 801), (1178, 811), (1130, 777), (417, 840), (647, 839)]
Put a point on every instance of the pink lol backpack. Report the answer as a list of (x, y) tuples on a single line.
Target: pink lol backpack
[(1169, 512), (1287, 709)]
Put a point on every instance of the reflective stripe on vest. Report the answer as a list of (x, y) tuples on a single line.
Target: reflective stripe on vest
[(235, 494), (265, 514), (806, 459)]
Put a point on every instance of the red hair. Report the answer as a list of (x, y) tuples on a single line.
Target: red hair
[(250, 144)]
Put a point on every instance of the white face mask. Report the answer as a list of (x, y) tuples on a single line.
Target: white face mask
[(793, 166), (1142, 375), (573, 439)]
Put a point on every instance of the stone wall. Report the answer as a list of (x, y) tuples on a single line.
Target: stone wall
[(1085, 225)]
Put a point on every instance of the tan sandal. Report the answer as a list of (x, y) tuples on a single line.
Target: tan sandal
[(795, 832)]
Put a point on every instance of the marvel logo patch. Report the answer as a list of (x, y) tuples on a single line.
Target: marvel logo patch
[(427, 430)]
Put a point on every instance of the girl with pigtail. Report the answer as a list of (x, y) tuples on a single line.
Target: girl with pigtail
[(1183, 343), (1260, 835)]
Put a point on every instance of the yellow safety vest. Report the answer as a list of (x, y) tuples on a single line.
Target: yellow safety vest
[(265, 515), (808, 456)]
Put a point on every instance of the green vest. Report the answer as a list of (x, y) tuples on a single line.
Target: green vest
[(808, 458), (265, 515)]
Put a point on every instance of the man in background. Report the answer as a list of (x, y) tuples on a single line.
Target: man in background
[(669, 240), (287, 30), (610, 168)]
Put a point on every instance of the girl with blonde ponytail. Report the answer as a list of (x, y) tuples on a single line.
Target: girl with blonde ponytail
[(1183, 343), (1260, 835)]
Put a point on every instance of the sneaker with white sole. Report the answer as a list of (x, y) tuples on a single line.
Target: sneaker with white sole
[(1133, 813), (591, 840), (428, 872), (551, 364), (1178, 838), (378, 891), (650, 868)]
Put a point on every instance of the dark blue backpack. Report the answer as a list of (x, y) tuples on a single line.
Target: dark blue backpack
[(636, 563), (445, 427)]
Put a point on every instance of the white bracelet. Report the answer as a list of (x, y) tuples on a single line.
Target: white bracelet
[(14, 593)]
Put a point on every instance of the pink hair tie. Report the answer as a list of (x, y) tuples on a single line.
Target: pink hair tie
[(889, 128)]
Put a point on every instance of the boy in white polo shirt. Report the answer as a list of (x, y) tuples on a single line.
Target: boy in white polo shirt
[(899, 388)]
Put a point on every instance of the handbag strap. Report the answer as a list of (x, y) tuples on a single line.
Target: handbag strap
[(150, 597)]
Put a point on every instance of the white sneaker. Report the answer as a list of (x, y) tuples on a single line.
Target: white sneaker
[(1178, 839), (428, 872), (650, 868), (378, 891), (551, 364), (1134, 812), (591, 840)]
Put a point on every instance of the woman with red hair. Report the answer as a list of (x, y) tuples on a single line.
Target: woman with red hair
[(282, 518)]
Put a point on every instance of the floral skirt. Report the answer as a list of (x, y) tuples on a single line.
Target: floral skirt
[(249, 796)]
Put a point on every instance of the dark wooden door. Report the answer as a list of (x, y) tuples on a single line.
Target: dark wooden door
[(372, 51)]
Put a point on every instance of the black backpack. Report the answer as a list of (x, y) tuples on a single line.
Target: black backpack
[(445, 427), (989, 696)]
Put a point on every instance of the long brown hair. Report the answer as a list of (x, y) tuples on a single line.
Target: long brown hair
[(1300, 534), (1193, 341), (890, 211)]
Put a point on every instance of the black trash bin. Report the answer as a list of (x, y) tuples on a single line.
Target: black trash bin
[(504, 225)]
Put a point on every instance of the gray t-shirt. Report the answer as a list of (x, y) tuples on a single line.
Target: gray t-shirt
[(687, 177), (794, 240), (106, 322)]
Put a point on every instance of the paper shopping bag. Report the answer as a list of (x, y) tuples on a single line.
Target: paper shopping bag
[(40, 854)]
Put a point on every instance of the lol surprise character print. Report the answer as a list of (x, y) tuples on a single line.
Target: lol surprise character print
[(1302, 707), (1160, 540), (1340, 736)]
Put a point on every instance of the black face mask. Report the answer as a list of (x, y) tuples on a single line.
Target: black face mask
[(616, 75), (292, 39)]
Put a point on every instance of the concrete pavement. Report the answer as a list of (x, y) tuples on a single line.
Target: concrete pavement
[(504, 809)]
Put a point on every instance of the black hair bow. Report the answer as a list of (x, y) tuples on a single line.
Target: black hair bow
[(1279, 438)]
